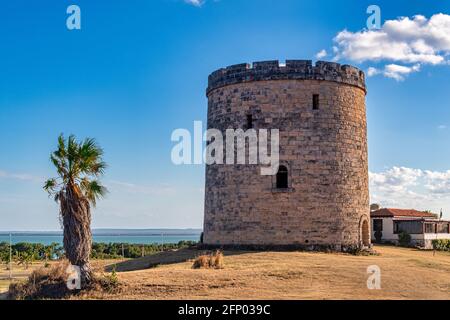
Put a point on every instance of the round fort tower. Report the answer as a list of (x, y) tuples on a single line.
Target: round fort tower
[(319, 198)]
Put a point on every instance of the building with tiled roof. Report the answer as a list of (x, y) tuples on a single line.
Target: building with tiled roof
[(409, 213), (422, 226)]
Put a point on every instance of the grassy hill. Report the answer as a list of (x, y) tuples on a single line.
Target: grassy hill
[(405, 274)]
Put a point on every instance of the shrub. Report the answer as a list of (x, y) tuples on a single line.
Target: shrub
[(114, 250), (441, 244), (207, 261), (217, 260), (404, 239), (51, 283), (109, 283), (44, 283), (26, 253), (201, 262)]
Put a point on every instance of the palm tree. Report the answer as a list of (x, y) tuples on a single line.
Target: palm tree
[(79, 165)]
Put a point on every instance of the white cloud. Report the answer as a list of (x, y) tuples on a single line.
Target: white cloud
[(442, 127), (197, 3), (395, 179), (321, 54), (413, 41), (20, 176), (371, 71), (393, 71), (416, 40), (399, 72), (438, 182), (411, 188)]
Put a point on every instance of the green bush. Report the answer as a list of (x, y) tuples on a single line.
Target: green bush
[(26, 253), (114, 250), (404, 239), (441, 244), (110, 282)]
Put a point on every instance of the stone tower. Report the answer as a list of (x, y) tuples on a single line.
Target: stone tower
[(322, 200)]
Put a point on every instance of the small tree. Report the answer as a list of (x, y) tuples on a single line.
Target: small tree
[(25, 258), (4, 258)]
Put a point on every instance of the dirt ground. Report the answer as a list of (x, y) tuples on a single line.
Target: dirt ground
[(405, 274)]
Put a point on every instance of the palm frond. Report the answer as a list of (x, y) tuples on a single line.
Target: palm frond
[(59, 158), (72, 155), (50, 185), (93, 190), (61, 152), (76, 164), (60, 165), (90, 155), (98, 168)]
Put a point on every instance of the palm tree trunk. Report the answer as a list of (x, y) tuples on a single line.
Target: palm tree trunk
[(76, 220)]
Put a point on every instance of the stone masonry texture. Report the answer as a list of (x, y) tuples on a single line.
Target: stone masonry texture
[(325, 151)]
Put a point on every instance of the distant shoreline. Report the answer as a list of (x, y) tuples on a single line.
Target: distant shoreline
[(132, 236), (111, 232)]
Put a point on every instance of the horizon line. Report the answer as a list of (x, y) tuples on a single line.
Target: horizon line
[(101, 229)]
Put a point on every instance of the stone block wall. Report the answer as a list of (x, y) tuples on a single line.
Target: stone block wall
[(325, 151)]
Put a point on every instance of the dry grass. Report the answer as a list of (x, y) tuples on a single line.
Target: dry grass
[(209, 261), (20, 274), (43, 283), (50, 282), (405, 274)]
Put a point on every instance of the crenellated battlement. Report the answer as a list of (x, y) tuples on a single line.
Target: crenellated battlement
[(292, 70)]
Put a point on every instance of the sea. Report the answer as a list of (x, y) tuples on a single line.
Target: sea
[(132, 236)]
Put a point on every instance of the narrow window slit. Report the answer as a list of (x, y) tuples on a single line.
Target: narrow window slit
[(315, 102), (249, 121)]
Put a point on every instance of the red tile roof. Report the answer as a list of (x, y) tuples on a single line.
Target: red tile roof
[(390, 212)]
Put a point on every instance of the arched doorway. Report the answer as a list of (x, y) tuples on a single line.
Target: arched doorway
[(364, 232)]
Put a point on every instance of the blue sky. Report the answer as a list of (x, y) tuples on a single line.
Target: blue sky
[(138, 70)]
